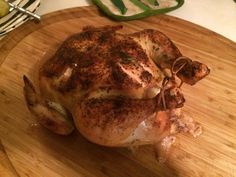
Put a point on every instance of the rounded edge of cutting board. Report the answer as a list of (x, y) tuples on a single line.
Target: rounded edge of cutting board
[(8, 43), (11, 40)]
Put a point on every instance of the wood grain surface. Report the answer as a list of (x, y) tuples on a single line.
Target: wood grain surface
[(36, 152)]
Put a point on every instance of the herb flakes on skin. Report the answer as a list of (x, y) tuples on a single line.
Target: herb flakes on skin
[(126, 59)]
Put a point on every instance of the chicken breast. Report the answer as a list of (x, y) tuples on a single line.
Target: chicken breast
[(117, 88)]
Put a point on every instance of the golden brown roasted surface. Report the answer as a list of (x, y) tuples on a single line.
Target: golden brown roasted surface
[(111, 83), (104, 60)]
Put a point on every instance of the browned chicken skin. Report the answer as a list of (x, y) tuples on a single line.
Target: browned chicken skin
[(112, 84)]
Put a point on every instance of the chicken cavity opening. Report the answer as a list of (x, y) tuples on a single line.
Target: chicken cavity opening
[(160, 129)]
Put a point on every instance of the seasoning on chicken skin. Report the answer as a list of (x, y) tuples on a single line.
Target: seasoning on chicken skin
[(119, 89)]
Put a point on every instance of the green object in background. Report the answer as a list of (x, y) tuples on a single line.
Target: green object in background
[(119, 4), (4, 8), (122, 10), (153, 2)]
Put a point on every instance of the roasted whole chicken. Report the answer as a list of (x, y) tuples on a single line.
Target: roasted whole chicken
[(116, 89)]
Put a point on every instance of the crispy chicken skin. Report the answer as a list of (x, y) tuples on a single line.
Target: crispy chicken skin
[(111, 83)]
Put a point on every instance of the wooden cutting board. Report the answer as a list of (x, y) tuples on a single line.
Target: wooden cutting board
[(36, 152)]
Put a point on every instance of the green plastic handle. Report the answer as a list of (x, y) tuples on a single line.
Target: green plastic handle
[(120, 5), (147, 10)]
